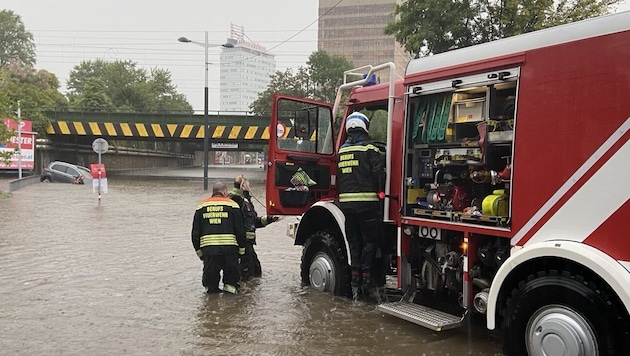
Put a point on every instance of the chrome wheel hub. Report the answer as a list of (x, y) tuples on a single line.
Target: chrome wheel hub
[(321, 273), (560, 330)]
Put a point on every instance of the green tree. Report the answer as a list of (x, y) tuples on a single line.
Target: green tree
[(295, 84), (37, 90), (426, 27), (94, 97), (120, 85), (319, 80), (15, 42), (5, 135), (326, 72)]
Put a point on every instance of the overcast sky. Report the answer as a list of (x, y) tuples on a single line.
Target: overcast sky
[(67, 32)]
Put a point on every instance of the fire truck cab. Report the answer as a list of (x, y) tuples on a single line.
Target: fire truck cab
[(506, 193)]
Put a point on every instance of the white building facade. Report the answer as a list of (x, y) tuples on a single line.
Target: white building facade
[(245, 71)]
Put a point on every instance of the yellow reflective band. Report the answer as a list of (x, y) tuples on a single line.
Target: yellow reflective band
[(250, 235), (224, 202), (229, 288), (358, 148), (218, 240), (352, 197)]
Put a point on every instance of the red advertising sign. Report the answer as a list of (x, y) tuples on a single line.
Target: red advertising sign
[(99, 178), (27, 139), (12, 124)]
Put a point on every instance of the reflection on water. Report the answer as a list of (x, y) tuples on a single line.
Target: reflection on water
[(122, 278)]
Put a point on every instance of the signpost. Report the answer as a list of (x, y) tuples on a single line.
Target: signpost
[(99, 146), (22, 145)]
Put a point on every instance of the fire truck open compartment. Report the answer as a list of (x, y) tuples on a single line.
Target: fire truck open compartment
[(459, 146)]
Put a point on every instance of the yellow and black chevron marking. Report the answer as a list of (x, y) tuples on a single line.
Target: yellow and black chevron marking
[(178, 131)]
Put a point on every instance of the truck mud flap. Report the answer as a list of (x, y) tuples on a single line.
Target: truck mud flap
[(429, 318)]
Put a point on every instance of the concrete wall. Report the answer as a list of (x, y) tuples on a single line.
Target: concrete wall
[(21, 183), (113, 159)]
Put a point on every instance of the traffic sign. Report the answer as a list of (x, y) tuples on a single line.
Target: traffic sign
[(100, 145), (280, 129)]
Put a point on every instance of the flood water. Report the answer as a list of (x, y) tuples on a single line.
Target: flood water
[(121, 277)]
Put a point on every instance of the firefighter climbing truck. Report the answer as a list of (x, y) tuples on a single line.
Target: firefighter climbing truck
[(507, 187)]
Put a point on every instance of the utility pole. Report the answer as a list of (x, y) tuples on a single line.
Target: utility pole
[(19, 123)]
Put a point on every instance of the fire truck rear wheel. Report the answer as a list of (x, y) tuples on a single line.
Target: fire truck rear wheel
[(324, 265), (554, 313)]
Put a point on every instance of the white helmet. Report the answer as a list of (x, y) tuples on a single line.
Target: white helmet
[(356, 119)]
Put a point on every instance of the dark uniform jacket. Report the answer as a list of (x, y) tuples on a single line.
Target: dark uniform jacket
[(360, 169), (251, 219), (218, 227)]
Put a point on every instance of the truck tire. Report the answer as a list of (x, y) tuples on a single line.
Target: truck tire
[(324, 265), (554, 313)]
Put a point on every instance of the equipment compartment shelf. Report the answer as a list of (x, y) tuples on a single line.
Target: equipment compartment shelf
[(434, 214), (458, 216), (485, 219)]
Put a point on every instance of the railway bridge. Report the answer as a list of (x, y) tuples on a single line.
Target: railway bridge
[(225, 131), (147, 140)]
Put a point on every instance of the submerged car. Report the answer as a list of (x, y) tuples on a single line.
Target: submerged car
[(64, 172)]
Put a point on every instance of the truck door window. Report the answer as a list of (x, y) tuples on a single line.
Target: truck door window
[(306, 127)]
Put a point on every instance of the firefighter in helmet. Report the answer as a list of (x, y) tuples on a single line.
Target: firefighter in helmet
[(360, 177), (249, 264), (218, 237)]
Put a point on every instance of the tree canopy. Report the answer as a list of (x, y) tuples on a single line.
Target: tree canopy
[(426, 27), (16, 44), (37, 90), (122, 86), (319, 80), (5, 135)]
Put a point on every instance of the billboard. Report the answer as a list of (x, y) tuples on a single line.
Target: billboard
[(27, 146)]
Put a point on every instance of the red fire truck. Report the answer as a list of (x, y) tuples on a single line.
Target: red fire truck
[(507, 187)]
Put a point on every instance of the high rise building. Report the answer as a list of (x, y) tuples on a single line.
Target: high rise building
[(245, 72), (354, 29)]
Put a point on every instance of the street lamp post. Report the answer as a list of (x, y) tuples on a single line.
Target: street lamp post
[(206, 139)]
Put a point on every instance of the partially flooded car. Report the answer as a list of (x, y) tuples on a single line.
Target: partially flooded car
[(64, 172)]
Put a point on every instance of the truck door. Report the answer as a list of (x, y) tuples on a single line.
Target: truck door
[(301, 166)]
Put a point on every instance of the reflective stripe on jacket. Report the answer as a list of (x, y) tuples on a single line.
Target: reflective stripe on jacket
[(349, 197), (218, 240)]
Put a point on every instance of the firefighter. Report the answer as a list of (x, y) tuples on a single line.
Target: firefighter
[(218, 236), (360, 177), (249, 264)]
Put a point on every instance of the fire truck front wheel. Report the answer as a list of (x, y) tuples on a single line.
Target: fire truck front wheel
[(324, 265), (554, 313)]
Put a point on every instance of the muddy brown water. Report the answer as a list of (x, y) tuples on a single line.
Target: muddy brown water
[(121, 277)]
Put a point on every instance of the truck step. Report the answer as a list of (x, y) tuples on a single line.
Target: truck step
[(429, 318)]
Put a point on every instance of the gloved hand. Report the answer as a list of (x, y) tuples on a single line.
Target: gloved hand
[(268, 219), (199, 254)]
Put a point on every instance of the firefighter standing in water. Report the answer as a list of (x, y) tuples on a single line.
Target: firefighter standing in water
[(249, 264), (360, 177), (218, 236)]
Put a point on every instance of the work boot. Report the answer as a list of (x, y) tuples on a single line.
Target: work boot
[(366, 284), (355, 283), (215, 290)]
